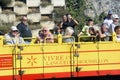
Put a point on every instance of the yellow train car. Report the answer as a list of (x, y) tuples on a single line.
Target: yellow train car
[(59, 60)]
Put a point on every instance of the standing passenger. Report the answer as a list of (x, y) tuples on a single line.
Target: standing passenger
[(108, 20), (70, 22), (115, 23), (25, 31)]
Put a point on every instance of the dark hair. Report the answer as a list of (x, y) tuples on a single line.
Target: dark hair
[(116, 27), (93, 30), (90, 20)]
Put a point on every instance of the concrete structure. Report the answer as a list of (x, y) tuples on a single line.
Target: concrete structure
[(12, 3), (21, 10), (46, 10), (49, 24), (32, 9), (34, 17), (58, 3), (33, 3), (7, 18)]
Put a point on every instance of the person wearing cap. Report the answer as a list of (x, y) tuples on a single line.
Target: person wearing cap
[(13, 37), (108, 20), (25, 31), (44, 36), (115, 18)]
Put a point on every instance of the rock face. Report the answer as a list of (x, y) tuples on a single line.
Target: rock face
[(96, 7)]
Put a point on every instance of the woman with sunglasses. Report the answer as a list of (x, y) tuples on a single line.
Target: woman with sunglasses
[(13, 37)]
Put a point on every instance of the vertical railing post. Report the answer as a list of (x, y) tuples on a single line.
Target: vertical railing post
[(59, 39)]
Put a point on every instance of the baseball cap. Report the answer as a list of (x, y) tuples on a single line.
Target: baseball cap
[(110, 12), (13, 28), (115, 16)]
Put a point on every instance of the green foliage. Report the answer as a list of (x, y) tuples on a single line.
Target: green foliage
[(102, 16), (4, 2), (59, 12), (76, 9), (5, 28)]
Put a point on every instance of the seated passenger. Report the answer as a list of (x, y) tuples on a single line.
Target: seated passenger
[(117, 31), (45, 36), (103, 33), (68, 35), (92, 34), (13, 37), (1, 33)]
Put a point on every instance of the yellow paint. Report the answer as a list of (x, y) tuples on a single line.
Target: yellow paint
[(60, 57)]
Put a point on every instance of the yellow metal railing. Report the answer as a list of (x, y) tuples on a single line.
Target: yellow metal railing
[(59, 39)]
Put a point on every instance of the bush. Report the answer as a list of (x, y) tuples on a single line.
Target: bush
[(4, 2), (5, 28)]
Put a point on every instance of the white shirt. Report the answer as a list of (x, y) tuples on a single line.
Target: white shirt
[(108, 22)]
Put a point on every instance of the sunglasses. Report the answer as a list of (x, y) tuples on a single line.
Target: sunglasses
[(15, 31), (44, 30)]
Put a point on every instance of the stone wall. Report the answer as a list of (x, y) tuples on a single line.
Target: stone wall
[(7, 18), (96, 7)]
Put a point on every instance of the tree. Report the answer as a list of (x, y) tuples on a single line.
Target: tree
[(76, 9)]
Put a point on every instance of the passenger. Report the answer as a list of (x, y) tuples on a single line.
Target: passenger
[(45, 36), (115, 23), (57, 28), (13, 37), (2, 33), (85, 30), (108, 20), (68, 35), (64, 21), (117, 31), (25, 31), (70, 22), (63, 24), (103, 33), (92, 31)]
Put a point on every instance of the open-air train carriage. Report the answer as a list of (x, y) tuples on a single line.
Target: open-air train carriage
[(59, 60)]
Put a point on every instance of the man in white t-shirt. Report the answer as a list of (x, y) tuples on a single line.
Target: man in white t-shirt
[(108, 20), (115, 18)]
